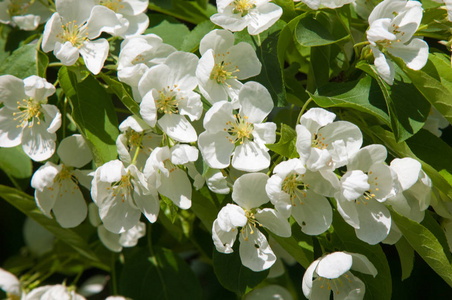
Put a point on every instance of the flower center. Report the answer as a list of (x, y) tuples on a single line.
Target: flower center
[(74, 33), (318, 141), (242, 7), (368, 195), (114, 5), (29, 110), (222, 70), (240, 130), (168, 102), (293, 183), (18, 7), (335, 284), (250, 225), (123, 187)]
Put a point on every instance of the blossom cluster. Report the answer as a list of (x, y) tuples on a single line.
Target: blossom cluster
[(204, 121)]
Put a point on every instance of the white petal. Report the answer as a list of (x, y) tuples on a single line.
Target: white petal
[(216, 182), (216, 149), (304, 142), (70, 207), (75, 10), (94, 54), (38, 88), (255, 101), (250, 157), (74, 151), (385, 67), (249, 190), (11, 91), (52, 31), (374, 222), (217, 40), (9, 283), (414, 54), (334, 265), (109, 239), (10, 131), (178, 128), (255, 252), (265, 17), (315, 118), (66, 53), (101, 20), (312, 212), (367, 156), (271, 219), (354, 184), (223, 240), (182, 70), (131, 236), (149, 205), (231, 216), (269, 292), (38, 143), (362, 264), (218, 116), (264, 133), (148, 110), (182, 154), (245, 59), (306, 283), (177, 187)]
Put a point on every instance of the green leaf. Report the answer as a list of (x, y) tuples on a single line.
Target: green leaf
[(189, 11), (288, 9), (94, 114), (204, 207), (26, 204), (15, 163), (434, 151), (319, 30), (407, 107), (299, 245), (344, 238), (158, 274), (171, 33), (429, 84), (433, 226), (23, 62), (363, 95), (426, 245), (232, 274), (123, 92), (406, 255), (286, 144), (191, 41)]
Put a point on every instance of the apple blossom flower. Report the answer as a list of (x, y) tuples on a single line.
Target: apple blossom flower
[(301, 193), (255, 252), (135, 136), (137, 55), (242, 135), (414, 194), (325, 144), (256, 15), (26, 118), (131, 15), (57, 186), (71, 31), (392, 25), (367, 183), (25, 14), (122, 194), (163, 172), (331, 273), (168, 96), (54, 292), (223, 64)]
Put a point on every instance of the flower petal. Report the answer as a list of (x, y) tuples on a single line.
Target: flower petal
[(94, 54), (255, 252), (249, 190)]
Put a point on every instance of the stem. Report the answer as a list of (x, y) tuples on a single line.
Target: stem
[(361, 44), (303, 109), (114, 279), (55, 64), (137, 150)]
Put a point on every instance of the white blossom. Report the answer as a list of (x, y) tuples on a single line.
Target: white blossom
[(54, 292), (25, 14), (331, 273), (242, 135), (168, 96), (255, 252), (26, 118), (223, 64), (392, 25), (256, 15), (72, 31)]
